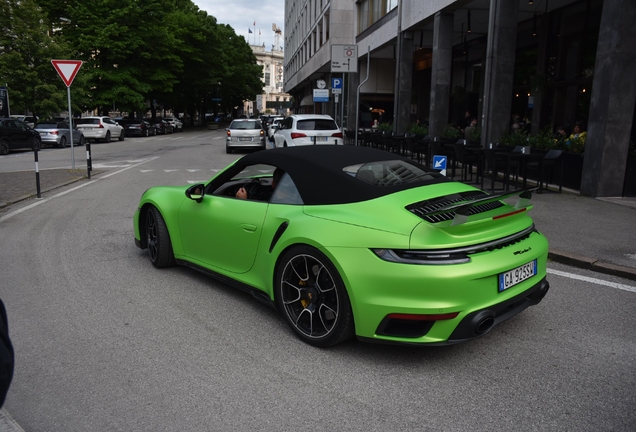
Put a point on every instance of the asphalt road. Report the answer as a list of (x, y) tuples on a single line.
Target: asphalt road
[(106, 342)]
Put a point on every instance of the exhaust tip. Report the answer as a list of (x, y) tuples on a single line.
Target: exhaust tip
[(484, 325)]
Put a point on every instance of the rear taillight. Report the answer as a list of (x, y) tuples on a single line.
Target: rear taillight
[(229, 133), (54, 132), (337, 135), (101, 126), (295, 135)]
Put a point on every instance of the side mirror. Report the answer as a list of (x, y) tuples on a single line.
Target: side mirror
[(196, 192)]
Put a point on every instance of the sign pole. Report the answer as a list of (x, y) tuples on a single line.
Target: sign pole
[(67, 69), (70, 125)]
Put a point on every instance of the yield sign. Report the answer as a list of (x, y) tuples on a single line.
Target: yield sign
[(67, 69)]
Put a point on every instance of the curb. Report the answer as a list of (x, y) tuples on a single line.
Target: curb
[(592, 264)]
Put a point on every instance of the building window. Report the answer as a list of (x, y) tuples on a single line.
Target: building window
[(371, 11), (268, 79)]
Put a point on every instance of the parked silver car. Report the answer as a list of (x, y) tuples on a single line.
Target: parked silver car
[(58, 134), (245, 134)]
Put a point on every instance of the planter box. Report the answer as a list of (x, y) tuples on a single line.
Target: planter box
[(572, 170)]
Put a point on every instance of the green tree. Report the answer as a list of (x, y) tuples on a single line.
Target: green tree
[(27, 46), (127, 47)]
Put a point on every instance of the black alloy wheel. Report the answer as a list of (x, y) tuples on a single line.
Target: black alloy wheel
[(122, 135), (62, 142), (158, 239), (312, 297), (107, 139)]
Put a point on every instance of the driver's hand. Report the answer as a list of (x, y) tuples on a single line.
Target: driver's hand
[(241, 193)]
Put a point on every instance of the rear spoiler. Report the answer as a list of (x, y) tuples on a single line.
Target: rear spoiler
[(462, 210)]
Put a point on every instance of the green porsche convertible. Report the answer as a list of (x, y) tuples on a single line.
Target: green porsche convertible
[(351, 241)]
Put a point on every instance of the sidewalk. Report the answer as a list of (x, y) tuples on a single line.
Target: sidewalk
[(597, 234)]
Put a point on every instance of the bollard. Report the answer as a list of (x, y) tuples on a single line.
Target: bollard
[(37, 171), (89, 164)]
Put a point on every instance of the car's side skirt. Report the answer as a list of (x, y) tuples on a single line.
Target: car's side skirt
[(256, 293)]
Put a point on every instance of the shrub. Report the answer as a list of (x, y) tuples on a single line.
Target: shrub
[(415, 129), (387, 127), (451, 132)]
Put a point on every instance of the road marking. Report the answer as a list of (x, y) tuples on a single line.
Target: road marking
[(593, 280), (43, 200)]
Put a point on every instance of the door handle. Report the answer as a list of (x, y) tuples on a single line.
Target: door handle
[(248, 227)]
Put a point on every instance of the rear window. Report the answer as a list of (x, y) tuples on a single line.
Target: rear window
[(245, 125), (47, 126), (87, 121), (316, 124), (390, 173)]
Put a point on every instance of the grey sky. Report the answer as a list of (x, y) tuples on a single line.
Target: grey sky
[(241, 15)]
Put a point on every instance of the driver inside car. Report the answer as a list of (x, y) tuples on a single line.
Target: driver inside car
[(266, 192)]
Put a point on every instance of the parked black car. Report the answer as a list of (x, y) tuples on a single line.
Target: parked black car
[(137, 127), (162, 126), (15, 134)]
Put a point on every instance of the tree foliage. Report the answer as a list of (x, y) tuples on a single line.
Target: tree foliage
[(27, 45), (138, 56)]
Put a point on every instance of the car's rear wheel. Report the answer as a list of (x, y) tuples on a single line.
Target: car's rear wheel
[(107, 138), (4, 147), (146, 133), (158, 239), (122, 135), (82, 141), (312, 297), (62, 142)]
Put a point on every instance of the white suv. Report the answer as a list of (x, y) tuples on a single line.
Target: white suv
[(308, 129), (100, 128), (177, 125)]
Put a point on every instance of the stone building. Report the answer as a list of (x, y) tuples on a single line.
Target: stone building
[(274, 100)]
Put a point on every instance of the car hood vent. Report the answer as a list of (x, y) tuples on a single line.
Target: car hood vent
[(421, 208)]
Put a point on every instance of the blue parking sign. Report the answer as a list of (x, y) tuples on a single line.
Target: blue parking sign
[(336, 83)]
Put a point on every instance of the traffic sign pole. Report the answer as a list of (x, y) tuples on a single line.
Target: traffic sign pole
[(67, 69), (70, 125)]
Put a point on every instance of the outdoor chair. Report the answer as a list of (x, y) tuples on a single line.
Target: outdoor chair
[(545, 168)]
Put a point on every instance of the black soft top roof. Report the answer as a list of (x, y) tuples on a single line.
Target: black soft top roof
[(317, 171)]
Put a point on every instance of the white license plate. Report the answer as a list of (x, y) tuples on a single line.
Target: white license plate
[(245, 139), (517, 275), (322, 138)]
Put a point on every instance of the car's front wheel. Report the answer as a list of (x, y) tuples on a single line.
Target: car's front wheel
[(122, 135), (107, 138), (312, 297), (82, 141), (62, 142), (158, 239)]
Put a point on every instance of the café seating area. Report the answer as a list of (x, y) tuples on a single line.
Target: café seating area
[(492, 168)]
